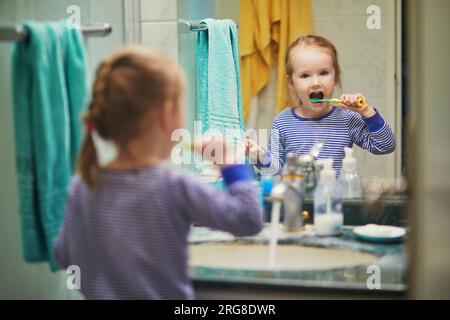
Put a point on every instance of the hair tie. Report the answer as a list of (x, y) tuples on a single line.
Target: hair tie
[(90, 127)]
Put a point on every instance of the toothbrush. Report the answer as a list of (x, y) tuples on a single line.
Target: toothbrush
[(189, 146), (360, 102)]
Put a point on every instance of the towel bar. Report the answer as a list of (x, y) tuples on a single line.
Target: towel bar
[(185, 26), (18, 32)]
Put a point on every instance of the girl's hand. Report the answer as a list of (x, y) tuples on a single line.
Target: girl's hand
[(253, 151), (216, 150), (351, 103)]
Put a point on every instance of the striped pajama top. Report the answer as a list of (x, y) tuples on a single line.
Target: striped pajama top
[(340, 128), (129, 235)]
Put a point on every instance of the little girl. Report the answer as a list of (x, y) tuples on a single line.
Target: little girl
[(313, 72), (126, 224)]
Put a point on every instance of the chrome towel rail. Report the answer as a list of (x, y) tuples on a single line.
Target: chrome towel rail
[(18, 32)]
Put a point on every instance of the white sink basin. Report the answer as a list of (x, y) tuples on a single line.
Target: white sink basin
[(288, 257)]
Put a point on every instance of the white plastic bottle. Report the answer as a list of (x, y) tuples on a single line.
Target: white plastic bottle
[(349, 179), (328, 216)]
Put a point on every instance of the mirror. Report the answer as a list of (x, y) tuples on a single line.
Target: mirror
[(368, 39)]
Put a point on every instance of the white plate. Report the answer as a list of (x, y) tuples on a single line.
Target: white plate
[(379, 233)]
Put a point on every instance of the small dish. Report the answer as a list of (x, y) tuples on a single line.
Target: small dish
[(379, 233)]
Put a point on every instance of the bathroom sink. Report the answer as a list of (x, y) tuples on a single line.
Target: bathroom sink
[(255, 257), (220, 263)]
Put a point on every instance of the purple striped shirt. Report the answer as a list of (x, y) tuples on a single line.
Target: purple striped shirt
[(129, 234)]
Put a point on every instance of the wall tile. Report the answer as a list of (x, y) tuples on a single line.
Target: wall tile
[(157, 10), (361, 52), (163, 36), (344, 7)]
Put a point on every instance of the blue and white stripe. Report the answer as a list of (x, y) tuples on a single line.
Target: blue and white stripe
[(339, 128)]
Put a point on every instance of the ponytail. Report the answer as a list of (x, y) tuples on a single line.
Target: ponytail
[(88, 163)]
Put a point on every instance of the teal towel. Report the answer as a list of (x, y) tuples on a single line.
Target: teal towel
[(49, 92), (218, 78)]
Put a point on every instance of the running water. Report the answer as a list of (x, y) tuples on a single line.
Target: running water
[(275, 219)]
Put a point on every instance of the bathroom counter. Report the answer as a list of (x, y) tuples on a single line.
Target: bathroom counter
[(346, 281), (390, 210)]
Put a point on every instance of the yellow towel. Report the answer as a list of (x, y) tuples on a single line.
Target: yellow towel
[(267, 27), (255, 51)]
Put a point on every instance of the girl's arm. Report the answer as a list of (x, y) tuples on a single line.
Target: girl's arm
[(367, 127), (272, 161), (372, 133), (237, 210)]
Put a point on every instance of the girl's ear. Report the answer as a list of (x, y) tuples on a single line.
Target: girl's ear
[(165, 115), (169, 115), (290, 83), (291, 89)]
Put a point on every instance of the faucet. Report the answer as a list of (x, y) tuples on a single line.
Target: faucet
[(298, 177), (309, 168), (290, 191)]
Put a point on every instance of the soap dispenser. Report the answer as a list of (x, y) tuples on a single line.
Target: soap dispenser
[(328, 216), (349, 178)]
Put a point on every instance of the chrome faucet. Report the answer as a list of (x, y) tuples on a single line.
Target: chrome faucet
[(309, 167), (290, 191), (298, 178)]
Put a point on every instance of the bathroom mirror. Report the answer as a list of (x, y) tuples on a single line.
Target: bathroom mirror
[(368, 38)]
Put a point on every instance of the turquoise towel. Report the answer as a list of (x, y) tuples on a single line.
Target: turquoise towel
[(218, 78), (49, 92)]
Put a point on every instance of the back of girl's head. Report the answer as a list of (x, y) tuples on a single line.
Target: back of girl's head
[(129, 85), (313, 41)]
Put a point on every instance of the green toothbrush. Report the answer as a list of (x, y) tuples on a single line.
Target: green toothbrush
[(360, 102)]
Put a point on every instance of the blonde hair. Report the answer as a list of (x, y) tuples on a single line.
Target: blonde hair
[(316, 41), (128, 85)]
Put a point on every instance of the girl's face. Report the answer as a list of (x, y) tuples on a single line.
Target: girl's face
[(313, 77)]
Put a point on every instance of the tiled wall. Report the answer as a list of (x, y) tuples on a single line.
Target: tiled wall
[(159, 25)]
